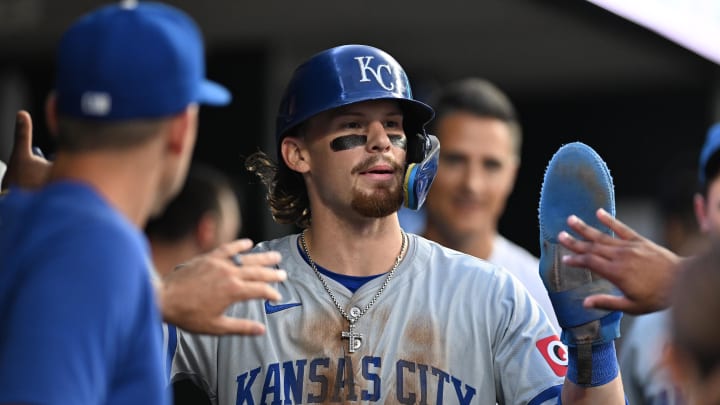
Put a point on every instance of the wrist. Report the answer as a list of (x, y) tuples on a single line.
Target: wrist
[(592, 365)]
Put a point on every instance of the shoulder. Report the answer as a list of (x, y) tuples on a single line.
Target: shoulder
[(282, 244), (510, 255), (449, 263), (70, 227)]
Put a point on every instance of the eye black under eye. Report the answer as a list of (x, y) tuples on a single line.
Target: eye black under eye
[(398, 141), (346, 142)]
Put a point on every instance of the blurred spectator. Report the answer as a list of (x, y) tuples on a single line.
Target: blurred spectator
[(645, 377), (202, 217), (481, 140), (693, 354)]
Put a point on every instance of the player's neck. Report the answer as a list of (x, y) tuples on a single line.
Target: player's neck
[(478, 244), (355, 249), (129, 188)]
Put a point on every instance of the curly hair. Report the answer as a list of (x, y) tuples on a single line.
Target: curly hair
[(286, 190)]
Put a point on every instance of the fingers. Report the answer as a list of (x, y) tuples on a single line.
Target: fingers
[(257, 259), (595, 263), (232, 248), (589, 254), (227, 325), (251, 281), (621, 230), (587, 232), (248, 290), (611, 303), (576, 245), (23, 134)]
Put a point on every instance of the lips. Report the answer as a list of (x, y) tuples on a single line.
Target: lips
[(379, 169), (465, 204)]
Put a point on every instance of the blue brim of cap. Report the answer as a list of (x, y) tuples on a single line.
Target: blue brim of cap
[(212, 93)]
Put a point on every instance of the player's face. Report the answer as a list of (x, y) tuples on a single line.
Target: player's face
[(357, 156), (475, 175), (710, 213)]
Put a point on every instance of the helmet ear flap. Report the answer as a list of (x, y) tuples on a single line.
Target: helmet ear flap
[(420, 174), (418, 146)]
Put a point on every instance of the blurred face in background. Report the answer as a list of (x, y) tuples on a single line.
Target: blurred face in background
[(476, 173), (707, 209), (229, 221)]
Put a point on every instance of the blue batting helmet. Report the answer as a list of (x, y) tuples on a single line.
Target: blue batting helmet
[(350, 74)]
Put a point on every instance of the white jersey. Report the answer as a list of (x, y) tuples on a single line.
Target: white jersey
[(449, 328), (525, 267), (645, 378)]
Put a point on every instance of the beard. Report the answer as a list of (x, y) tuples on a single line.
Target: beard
[(378, 204)]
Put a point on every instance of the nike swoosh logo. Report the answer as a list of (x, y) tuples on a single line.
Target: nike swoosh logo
[(271, 309)]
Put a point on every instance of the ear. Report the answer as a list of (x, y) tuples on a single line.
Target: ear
[(182, 129), (51, 113), (701, 213), (294, 154), (206, 232)]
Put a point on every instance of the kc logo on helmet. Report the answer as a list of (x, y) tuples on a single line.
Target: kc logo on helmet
[(364, 62), (554, 353)]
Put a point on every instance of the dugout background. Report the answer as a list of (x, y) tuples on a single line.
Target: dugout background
[(573, 70)]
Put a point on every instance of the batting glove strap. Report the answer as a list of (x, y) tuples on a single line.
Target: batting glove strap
[(592, 365)]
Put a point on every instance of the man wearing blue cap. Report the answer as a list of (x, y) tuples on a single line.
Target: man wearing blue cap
[(79, 317)]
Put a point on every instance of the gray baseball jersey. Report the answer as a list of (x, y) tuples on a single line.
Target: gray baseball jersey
[(449, 328), (524, 266)]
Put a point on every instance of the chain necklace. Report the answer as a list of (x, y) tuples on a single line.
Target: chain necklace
[(354, 338)]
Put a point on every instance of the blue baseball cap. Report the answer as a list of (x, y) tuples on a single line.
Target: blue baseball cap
[(133, 61), (345, 75), (709, 149)]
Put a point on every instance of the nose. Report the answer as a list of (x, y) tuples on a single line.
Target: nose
[(474, 180), (378, 140)]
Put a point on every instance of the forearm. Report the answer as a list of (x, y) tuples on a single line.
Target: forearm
[(608, 394)]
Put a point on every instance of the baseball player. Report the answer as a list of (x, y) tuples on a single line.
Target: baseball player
[(80, 323), (481, 140), (370, 313)]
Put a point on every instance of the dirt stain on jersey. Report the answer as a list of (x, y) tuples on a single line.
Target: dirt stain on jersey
[(424, 346), (321, 336)]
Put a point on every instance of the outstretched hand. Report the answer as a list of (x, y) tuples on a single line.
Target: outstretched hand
[(196, 295), (25, 169), (641, 269)]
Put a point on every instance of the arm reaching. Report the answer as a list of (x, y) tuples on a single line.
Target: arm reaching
[(641, 269), (196, 295)]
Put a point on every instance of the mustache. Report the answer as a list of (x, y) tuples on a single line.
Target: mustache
[(373, 161)]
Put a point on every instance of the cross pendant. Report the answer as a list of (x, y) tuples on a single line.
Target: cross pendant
[(354, 339)]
